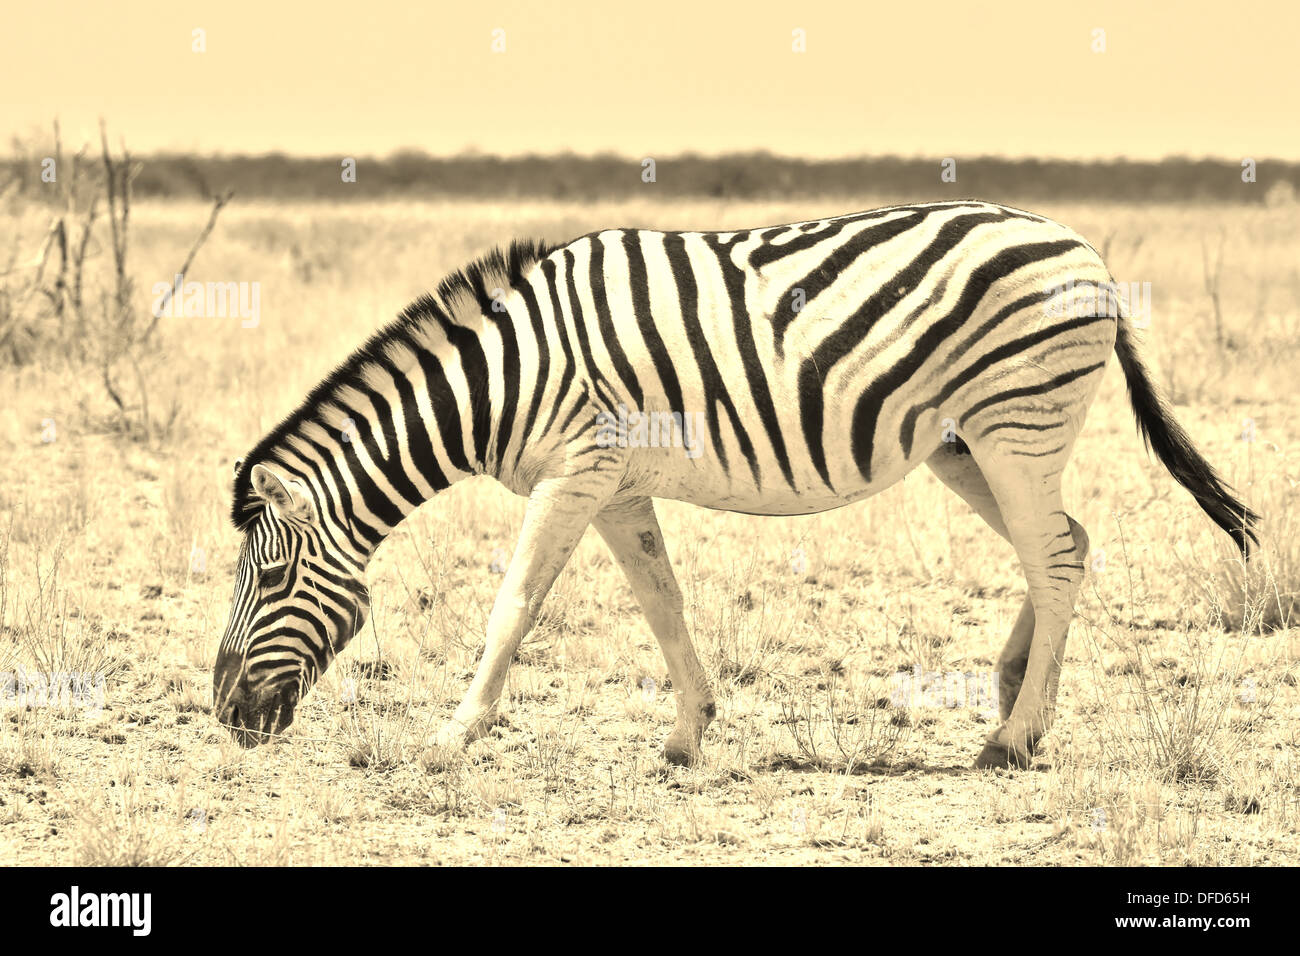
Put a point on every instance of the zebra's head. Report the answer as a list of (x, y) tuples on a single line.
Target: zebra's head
[(296, 605)]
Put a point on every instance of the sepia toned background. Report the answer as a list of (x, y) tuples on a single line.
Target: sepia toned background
[(1195, 79), (1167, 140)]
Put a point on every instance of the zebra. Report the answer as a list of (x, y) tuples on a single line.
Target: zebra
[(825, 359)]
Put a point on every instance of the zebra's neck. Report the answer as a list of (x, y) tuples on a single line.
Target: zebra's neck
[(428, 400), (410, 425), (389, 430)]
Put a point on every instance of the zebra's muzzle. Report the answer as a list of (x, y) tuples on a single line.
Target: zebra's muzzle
[(252, 724)]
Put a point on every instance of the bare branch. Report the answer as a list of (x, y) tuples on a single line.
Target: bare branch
[(217, 205)]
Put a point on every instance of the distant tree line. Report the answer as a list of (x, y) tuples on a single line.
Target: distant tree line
[(748, 176)]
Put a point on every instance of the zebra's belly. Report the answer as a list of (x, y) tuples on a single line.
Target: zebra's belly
[(705, 481)]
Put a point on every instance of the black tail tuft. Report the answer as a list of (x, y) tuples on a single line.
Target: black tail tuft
[(1175, 450)]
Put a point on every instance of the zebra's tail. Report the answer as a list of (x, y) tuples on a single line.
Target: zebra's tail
[(1175, 450)]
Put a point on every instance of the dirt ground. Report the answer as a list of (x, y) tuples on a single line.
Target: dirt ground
[(1176, 740)]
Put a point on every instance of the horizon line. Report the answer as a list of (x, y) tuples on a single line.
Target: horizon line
[(473, 153)]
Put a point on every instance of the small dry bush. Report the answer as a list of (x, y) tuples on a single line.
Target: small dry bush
[(120, 827), (1263, 594), (1168, 708), (840, 728)]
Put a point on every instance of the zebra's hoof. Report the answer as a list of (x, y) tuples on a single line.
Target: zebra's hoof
[(996, 756), (451, 739), (457, 734), (681, 754)]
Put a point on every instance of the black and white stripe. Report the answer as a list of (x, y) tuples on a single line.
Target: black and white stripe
[(825, 360)]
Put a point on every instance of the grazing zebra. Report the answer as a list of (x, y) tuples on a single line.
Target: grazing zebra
[(824, 360)]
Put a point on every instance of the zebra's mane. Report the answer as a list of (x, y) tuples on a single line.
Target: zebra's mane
[(459, 300)]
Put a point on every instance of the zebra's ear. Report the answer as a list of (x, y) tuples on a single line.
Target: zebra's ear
[(239, 463), (286, 495)]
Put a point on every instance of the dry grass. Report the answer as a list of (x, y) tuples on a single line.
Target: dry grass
[(1177, 732)]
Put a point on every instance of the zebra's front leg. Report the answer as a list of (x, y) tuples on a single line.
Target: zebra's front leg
[(632, 532), (559, 511)]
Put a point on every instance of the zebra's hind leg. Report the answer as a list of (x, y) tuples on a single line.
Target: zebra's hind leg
[(1051, 546), (558, 513), (631, 530), (954, 466)]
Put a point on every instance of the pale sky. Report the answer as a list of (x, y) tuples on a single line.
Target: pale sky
[(657, 77)]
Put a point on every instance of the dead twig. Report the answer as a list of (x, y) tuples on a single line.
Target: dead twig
[(217, 204)]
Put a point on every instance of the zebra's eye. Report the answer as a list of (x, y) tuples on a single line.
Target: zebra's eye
[(272, 576)]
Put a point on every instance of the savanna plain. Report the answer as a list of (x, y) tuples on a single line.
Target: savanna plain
[(1179, 715)]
